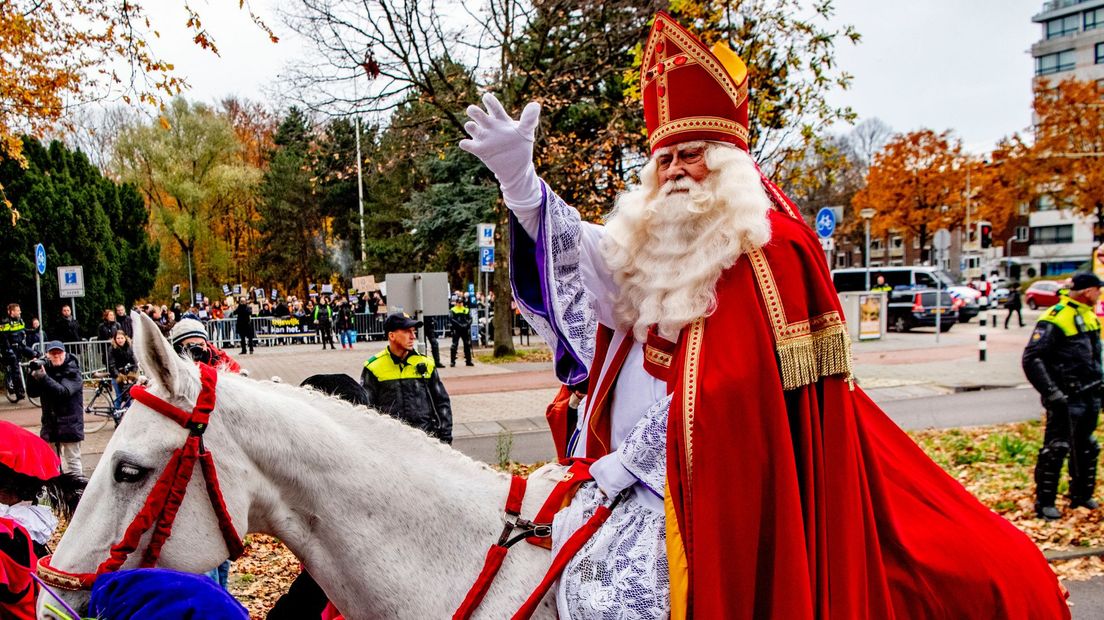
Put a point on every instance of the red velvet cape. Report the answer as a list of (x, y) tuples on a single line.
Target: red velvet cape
[(810, 502)]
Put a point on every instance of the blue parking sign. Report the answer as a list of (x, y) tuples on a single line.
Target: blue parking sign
[(486, 259)]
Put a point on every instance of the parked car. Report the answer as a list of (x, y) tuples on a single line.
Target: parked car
[(909, 308), (1000, 295), (966, 299), (1042, 294)]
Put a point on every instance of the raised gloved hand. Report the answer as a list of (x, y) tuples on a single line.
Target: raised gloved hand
[(505, 146)]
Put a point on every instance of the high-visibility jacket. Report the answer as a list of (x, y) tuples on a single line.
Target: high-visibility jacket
[(1063, 353), (409, 389)]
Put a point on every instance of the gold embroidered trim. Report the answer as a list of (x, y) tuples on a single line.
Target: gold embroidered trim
[(807, 350), (699, 123), (657, 357), (695, 51), (690, 377)]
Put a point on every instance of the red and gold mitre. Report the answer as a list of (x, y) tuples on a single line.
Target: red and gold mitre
[(691, 92)]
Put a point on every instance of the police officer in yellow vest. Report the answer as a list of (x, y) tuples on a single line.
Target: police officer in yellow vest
[(404, 384), (1062, 360), (460, 322), (881, 286)]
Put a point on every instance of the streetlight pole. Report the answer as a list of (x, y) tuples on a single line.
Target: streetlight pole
[(966, 246), (867, 215), (360, 190)]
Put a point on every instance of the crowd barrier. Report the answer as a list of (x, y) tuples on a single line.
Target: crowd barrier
[(272, 331), (92, 354)]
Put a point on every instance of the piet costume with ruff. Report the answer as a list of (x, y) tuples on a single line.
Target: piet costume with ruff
[(777, 488)]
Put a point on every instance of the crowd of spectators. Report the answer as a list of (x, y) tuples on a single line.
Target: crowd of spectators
[(328, 317)]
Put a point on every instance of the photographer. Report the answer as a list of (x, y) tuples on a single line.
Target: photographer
[(57, 381), (189, 336), (404, 384)]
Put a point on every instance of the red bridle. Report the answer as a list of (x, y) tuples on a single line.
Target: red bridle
[(167, 493)]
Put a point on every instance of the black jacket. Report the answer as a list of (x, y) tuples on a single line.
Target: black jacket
[(106, 331), (126, 325), (13, 338), (460, 320), (243, 321), (323, 315), (62, 401), (344, 320), (68, 330), (1013, 302), (121, 360), (1063, 354), (410, 390)]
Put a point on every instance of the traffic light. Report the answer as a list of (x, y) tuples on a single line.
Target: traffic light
[(985, 234)]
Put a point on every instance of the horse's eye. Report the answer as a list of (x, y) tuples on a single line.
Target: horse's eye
[(129, 472)]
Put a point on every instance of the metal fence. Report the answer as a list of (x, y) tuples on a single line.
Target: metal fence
[(92, 354), (272, 331)]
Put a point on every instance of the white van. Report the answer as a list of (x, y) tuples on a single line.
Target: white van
[(847, 280)]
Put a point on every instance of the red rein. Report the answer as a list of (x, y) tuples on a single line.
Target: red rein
[(167, 494), (537, 532)]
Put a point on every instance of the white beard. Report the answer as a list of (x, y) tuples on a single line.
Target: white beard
[(666, 249)]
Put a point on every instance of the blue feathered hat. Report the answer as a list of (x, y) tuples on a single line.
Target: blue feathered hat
[(161, 594)]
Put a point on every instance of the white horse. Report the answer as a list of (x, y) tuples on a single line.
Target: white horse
[(391, 523)]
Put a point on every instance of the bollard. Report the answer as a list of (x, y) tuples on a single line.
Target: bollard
[(981, 338)]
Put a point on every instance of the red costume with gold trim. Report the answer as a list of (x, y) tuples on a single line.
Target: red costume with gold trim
[(790, 494)]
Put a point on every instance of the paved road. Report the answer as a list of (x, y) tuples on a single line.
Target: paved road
[(979, 408), (1087, 598)]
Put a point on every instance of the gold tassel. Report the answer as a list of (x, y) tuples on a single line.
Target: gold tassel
[(806, 359)]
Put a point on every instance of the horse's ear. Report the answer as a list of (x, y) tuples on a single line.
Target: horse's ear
[(154, 353)]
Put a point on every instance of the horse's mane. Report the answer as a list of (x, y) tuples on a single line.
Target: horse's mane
[(355, 418)]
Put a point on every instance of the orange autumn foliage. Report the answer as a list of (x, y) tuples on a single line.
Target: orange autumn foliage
[(916, 185), (58, 54), (1068, 151)]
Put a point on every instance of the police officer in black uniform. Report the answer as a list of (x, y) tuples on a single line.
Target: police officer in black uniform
[(13, 345), (460, 320), (405, 384), (1062, 360)]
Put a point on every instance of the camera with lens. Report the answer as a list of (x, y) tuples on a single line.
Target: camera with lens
[(198, 352), (35, 364)]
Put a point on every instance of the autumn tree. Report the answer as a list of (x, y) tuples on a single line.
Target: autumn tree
[(57, 55), (1067, 153), (254, 125), (915, 185), (190, 170)]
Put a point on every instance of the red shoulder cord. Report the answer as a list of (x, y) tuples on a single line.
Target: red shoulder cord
[(537, 532), (168, 492)]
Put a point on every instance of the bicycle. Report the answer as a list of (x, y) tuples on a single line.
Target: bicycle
[(10, 385), (106, 410)]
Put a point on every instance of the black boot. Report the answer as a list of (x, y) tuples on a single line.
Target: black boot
[(1048, 468), (1084, 483)]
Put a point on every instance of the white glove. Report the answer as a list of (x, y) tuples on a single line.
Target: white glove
[(505, 146)]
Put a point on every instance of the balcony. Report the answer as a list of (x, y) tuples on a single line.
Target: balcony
[(1057, 5)]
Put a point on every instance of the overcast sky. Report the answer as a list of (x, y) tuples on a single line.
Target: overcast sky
[(939, 64)]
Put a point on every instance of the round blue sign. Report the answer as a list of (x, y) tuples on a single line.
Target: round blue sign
[(40, 258), (825, 222)]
